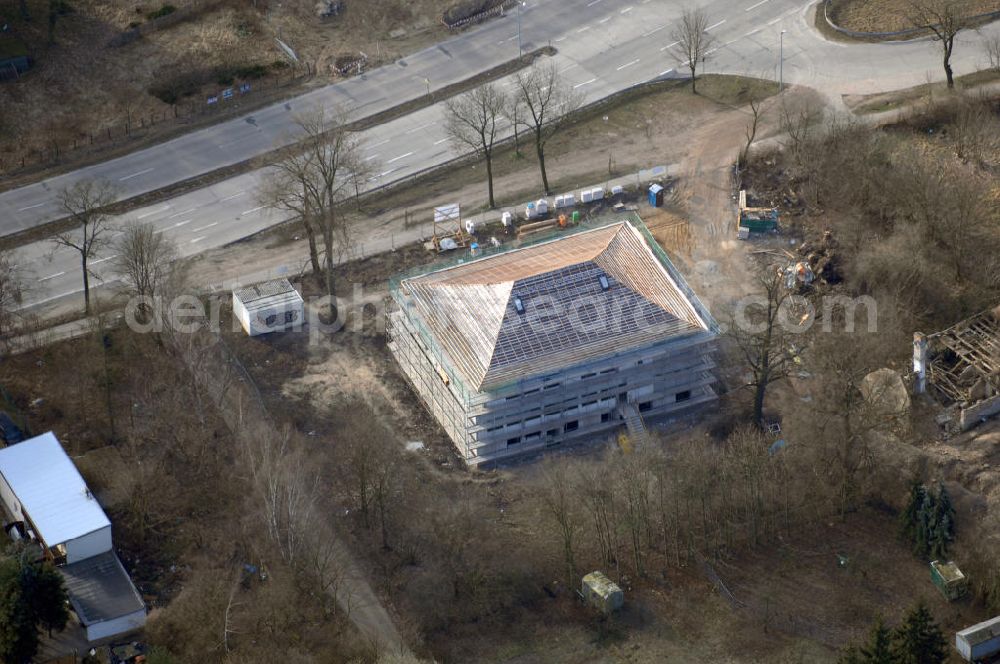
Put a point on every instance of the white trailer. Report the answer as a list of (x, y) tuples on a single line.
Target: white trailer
[(269, 306)]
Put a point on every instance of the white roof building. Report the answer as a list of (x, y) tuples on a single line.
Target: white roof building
[(42, 487), (268, 306)]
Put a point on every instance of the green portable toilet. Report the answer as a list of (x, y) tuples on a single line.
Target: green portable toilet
[(575, 216)]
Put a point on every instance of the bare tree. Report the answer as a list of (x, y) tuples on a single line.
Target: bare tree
[(143, 259), (314, 179), (12, 288), (85, 203), (751, 133), (562, 506), (991, 46), (472, 123), (547, 103), (692, 41), (975, 130), (944, 18)]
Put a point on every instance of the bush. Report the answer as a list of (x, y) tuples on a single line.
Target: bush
[(165, 10), (468, 8)]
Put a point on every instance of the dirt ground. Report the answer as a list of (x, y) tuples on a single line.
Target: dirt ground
[(891, 15), (100, 87)]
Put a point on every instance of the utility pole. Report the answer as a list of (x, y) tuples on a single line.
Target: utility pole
[(781, 60), (520, 48)]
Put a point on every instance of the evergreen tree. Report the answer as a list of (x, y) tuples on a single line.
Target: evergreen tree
[(18, 635), (908, 518), (925, 526), (44, 586), (850, 656), (919, 639), (879, 648), (943, 509), (940, 539)]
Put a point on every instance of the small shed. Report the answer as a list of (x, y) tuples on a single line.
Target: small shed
[(268, 306), (103, 597), (602, 593), (980, 641), (949, 579), (655, 195)]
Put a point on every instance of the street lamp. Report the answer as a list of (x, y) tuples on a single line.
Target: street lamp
[(781, 60), (520, 50)]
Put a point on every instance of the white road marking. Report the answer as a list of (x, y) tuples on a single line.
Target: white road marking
[(31, 207), (751, 7), (653, 31), (370, 157), (753, 32), (560, 39), (580, 85), (134, 175), (101, 260), (670, 46), (386, 172), (214, 223), (181, 214), (605, 19), (583, 29), (774, 21), (664, 73), (149, 214), (198, 239), (52, 276), (375, 145), (567, 68), (715, 25), (440, 142), (229, 198), (402, 156), (627, 64), (261, 207), (626, 10), (511, 38), (182, 223), (592, 3)]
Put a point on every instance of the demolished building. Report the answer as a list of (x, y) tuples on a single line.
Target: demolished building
[(556, 340)]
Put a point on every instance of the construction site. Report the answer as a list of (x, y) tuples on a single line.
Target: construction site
[(565, 336)]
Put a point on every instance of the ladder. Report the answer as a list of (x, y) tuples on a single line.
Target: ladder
[(633, 422)]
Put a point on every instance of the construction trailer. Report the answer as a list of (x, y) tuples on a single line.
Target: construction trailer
[(980, 642), (269, 306), (949, 579), (601, 592), (562, 338)]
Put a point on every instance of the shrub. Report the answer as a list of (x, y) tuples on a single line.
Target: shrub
[(165, 10)]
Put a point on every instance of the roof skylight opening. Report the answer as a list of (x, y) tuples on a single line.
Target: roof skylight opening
[(518, 305), (603, 279)]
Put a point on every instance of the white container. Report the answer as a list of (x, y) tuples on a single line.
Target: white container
[(597, 193), (470, 226), (617, 189), (507, 219), (531, 211), (586, 196), (569, 200), (560, 202), (541, 206)]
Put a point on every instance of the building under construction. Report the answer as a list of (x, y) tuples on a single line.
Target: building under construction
[(556, 340)]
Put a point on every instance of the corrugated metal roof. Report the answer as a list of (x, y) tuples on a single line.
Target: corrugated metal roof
[(566, 315), (267, 293), (51, 490), (100, 589)]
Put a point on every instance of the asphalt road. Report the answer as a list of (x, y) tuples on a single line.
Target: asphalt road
[(604, 46)]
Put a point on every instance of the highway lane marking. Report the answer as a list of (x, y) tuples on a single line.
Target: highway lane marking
[(664, 73), (670, 46), (31, 207), (181, 223), (711, 27), (422, 127), (181, 214), (560, 39), (214, 223), (101, 260), (753, 32), (626, 10), (52, 276), (402, 156), (149, 214), (653, 31), (628, 64), (755, 6), (260, 207), (375, 145), (591, 4), (370, 157), (774, 21), (567, 68), (440, 142), (198, 239), (605, 19), (135, 175), (511, 38), (229, 198), (580, 85)]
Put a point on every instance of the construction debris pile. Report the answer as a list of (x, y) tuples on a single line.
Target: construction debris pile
[(821, 259)]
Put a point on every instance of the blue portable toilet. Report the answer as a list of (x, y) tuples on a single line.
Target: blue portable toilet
[(655, 195)]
